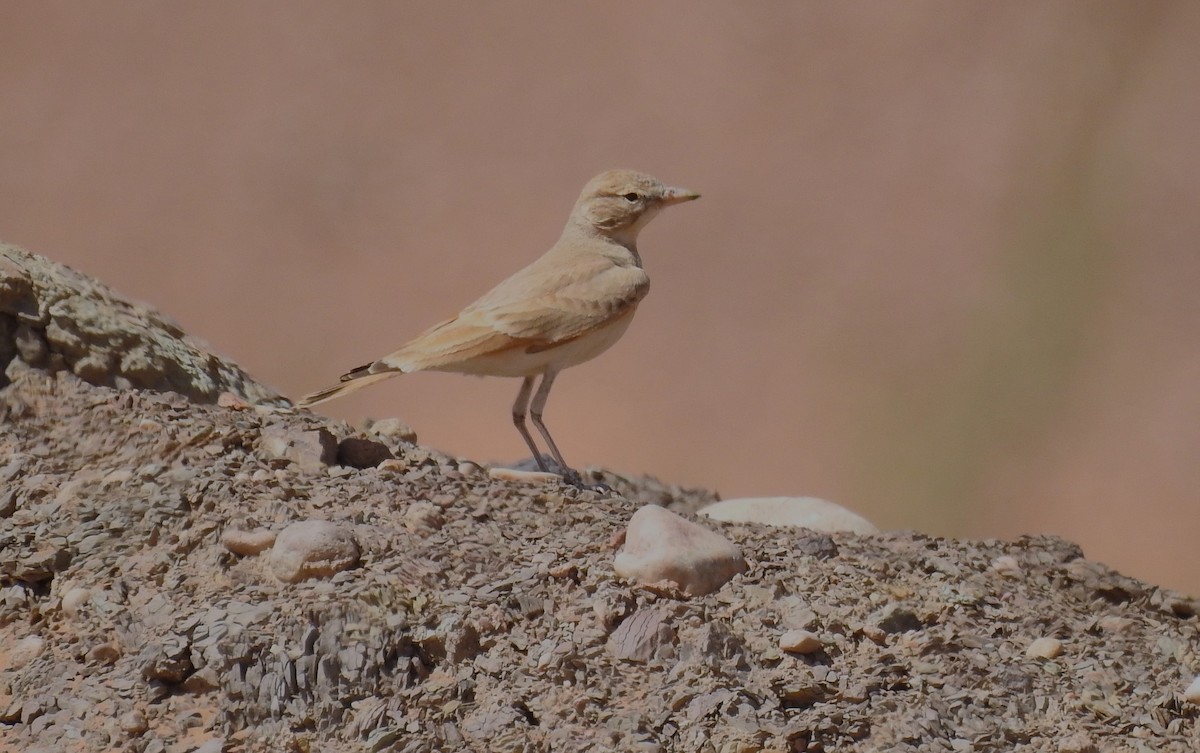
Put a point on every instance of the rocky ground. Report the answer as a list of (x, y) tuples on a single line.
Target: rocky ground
[(146, 605)]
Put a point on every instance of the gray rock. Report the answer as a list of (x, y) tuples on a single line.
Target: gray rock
[(53, 317), (311, 450), (642, 636)]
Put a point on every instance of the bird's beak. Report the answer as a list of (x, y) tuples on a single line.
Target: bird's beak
[(672, 195)]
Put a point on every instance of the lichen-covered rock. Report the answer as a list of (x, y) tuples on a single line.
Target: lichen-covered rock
[(53, 318)]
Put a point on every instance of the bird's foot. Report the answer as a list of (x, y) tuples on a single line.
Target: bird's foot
[(569, 475), (574, 478)]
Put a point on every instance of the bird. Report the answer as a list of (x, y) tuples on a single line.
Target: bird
[(566, 307)]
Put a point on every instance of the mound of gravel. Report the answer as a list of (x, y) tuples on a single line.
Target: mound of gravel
[(225, 573)]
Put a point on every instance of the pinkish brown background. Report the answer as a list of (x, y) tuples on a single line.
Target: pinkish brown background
[(946, 270)]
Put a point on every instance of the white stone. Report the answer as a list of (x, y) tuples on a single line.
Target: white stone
[(661, 546), (1006, 565), (247, 543), (74, 600), (1044, 648), (1192, 694), (312, 549), (805, 512), (524, 477), (423, 518), (800, 642), (26, 650)]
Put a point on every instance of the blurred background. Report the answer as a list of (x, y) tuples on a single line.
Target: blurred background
[(946, 269)]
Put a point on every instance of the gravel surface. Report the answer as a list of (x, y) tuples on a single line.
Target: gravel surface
[(142, 606)]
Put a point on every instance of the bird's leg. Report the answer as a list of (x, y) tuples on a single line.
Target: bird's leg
[(535, 412), (569, 474), (520, 409)]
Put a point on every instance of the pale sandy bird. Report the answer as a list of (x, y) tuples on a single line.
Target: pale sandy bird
[(567, 307)]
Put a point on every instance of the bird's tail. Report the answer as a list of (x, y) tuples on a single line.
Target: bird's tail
[(351, 381)]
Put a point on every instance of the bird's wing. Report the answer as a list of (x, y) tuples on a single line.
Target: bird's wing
[(540, 307)]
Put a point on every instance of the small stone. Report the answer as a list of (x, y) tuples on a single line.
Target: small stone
[(312, 549), (1006, 565), (661, 546), (1192, 694), (800, 642), (10, 709), (26, 650), (469, 468), (1079, 742), (168, 662), (895, 618), (216, 745), (423, 518), (232, 401), (357, 452), (202, 681), (1111, 623), (8, 503), (247, 543), (642, 636), (133, 723), (74, 600), (804, 512), (104, 653), (524, 477), (310, 450), (1044, 648), (395, 465), (393, 430), (815, 544)]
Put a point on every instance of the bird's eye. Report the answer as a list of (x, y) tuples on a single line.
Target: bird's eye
[(631, 197)]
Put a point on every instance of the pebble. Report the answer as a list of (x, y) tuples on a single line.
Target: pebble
[(1111, 623), (395, 465), (1192, 694), (26, 650), (307, 449), (523, 477), (74, 599), (661, 546), (248, 543), (897, 618), (804, 512), (393, 430), (1044, 648), (1006, 565), (423, 518), (642, 636), (104, 653), (202, 681), (1078, 742), (800, 642), (312, 549), (133, 723)]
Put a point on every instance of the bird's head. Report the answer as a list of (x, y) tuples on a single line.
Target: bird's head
[(618, 204)]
